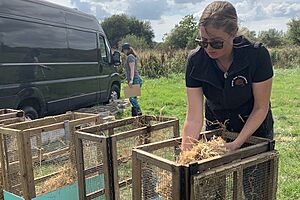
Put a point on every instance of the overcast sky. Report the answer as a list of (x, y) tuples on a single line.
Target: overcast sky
[(163, 15)]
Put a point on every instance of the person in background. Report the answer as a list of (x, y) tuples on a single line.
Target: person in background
[(132, 75)]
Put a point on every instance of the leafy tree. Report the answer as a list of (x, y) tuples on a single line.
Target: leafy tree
[(136, 42), (182, 33), (293, 33), (118, 26), (271, 38)]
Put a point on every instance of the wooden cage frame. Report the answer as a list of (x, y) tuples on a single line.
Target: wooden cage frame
[(112, 139), (10, 116), (182, 174), (23, 131)]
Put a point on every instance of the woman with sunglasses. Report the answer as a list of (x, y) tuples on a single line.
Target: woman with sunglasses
[(235, 77)]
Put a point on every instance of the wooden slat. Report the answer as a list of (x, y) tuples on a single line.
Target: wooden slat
[(109, 125), (80, 167), (115, 165), (155, 160), (77, 122), (4, 175), (246, 152), (8, 131), (131, 133), (160, 144), (11, 120), (40, 122), (95, 194), (28, 157), (90, 137), (162, 125), (23, 167), (176, 184), (108, 176), (91, 170), (136, 177)]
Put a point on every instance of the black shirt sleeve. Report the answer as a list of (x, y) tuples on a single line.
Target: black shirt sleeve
[(264, 68), (189, 81)]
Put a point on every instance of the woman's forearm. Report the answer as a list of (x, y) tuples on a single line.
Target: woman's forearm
[(254, 121)]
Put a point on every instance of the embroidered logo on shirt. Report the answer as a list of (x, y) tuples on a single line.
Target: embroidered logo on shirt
[(240, 81)]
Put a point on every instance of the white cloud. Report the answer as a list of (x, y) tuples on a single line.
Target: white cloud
[(257, 15), (284, 9)]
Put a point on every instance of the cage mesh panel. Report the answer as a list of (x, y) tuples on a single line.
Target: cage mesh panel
[(137, 123), (93, 157), (160, 135), (255, 181), (218, 186), (14, 179), (45, 164), (167, 153), (124, 148), (156, 183)]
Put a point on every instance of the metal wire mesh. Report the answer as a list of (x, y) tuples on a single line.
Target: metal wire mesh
[(223, 185), (52, 165), (256, 181), (238, 180), (12, 165), (50, 152), (156, 183), (216, 187), (124, 148), (93, 166)]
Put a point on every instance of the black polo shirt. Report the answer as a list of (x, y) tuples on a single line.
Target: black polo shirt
[(229, 96)]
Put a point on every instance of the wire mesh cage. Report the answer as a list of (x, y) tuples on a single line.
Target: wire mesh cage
[(38, 156), (247, 173), (9, 116), (94, 176), (125, 134)]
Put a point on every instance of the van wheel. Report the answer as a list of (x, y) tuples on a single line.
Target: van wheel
[(30, 113), (114, 93)]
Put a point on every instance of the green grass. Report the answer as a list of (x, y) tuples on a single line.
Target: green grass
[(166, 96)]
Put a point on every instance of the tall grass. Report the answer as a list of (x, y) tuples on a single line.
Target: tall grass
[(155, 64)]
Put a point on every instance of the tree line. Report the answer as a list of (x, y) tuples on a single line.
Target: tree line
[(122, 28)]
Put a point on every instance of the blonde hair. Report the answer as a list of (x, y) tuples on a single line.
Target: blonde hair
[(220, 14)]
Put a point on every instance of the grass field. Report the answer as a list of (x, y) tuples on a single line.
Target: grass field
[(166, 96)]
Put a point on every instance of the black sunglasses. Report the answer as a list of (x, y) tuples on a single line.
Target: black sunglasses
[(216, 44)]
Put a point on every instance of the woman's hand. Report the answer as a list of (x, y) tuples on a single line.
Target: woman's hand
[(130, 83), (187, 143), (231, 146)]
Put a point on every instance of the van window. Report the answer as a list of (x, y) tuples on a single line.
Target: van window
[(47, 42), (82, 46), (103, 50)]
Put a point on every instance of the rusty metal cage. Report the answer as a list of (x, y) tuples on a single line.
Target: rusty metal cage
[(122, 136), (247, 173), (38, 154)]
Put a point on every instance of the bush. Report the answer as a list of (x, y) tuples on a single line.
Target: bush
[(155, 64)]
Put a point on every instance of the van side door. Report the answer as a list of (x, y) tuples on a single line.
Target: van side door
[(105, 68)]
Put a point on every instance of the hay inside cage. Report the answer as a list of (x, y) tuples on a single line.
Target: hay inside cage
[(201, 150)]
